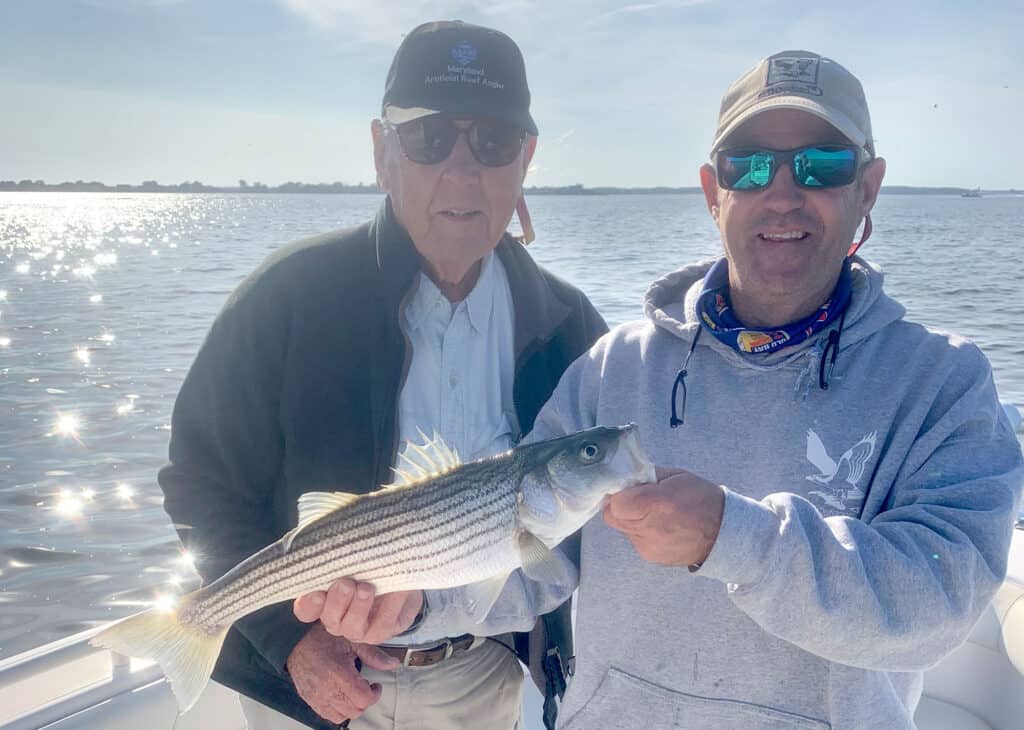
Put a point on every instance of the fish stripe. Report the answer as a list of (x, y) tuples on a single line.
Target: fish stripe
[(281, 574)]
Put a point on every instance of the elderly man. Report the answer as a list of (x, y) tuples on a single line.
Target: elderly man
[(429, 317), (839, 484)]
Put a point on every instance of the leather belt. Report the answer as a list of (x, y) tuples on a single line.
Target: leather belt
[(432, 654)]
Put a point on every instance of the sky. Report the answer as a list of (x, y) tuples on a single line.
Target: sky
[(624, 94)]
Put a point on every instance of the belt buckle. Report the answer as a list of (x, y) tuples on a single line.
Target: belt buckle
[(448, 651)]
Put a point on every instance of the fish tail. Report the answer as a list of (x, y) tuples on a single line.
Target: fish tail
[(185, 652)]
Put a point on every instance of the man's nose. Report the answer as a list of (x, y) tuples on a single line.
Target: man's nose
[(461, 166), (784, 195)]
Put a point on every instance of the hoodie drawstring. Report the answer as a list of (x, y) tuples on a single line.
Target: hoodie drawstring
[(825, 368), (675, 421), (829, 355)]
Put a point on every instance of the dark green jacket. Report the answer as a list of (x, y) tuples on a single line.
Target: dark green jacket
[(296, 389)]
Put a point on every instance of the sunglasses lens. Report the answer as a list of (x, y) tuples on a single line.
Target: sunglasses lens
[(825, 167), (495, 144), (745, 169), (429, 140)]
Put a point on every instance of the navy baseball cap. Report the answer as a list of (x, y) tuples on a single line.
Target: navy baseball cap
[(452, 67)]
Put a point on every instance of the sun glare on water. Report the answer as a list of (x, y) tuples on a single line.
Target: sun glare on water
[(67, 424), (69, 505)]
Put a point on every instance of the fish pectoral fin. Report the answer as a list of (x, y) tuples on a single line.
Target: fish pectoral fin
[(482, 595), (539, 563), (313, 506)]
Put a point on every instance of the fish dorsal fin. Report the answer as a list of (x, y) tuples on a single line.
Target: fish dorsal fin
[(420, 462), (313, 506)]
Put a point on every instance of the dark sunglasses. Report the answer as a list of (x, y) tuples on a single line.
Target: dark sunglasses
[(430, 140), (820, 166)]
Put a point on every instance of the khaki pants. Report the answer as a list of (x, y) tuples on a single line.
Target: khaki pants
[(480, 688)]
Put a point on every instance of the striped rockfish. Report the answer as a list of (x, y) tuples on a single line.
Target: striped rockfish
[(442, 524)]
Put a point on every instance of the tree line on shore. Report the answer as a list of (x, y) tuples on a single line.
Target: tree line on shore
[(195, 186)]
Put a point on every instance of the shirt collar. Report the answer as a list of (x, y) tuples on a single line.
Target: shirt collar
[(479, 303)]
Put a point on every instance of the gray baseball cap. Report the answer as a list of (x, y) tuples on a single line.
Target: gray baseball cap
[(798, 80)]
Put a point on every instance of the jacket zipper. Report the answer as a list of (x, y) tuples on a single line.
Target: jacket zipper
[(406, 364)]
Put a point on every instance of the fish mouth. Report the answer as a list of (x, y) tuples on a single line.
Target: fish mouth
[(642, 466)]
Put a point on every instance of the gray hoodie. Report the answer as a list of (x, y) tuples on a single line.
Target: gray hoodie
[(866, 526)]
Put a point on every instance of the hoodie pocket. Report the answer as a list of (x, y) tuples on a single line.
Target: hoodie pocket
[(625, 702)]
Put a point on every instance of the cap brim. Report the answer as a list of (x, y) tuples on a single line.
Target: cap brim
[(838, 120), (401, 115)]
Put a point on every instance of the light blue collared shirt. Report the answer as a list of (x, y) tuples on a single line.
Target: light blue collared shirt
[(460, 378)]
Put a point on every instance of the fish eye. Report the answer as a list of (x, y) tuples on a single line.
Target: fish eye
[(590, 452)]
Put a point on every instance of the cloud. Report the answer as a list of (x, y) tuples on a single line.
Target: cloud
[(132, 5), (374, 21), (641, 8)]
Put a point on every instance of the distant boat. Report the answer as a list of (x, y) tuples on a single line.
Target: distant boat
[(976, 193)]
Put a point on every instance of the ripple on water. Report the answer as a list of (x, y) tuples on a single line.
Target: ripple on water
[(26, 557), (15, 619), (86, 581), (20, 499)]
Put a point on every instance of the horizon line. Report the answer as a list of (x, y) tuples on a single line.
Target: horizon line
[(196, 186)]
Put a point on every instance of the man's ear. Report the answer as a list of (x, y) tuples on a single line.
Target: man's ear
[(380, 154), (871, 183), (709, 183), (528, 150)]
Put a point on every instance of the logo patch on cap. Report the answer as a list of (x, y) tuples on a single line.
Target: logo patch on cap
[(798, 69), (463, 53), (797, 74)]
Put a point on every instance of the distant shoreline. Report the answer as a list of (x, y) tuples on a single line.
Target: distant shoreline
[(151, 186)]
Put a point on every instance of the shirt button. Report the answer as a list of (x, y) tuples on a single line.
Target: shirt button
[(453, 380)]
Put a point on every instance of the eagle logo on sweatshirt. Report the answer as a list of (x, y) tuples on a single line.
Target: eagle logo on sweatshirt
[(839, 478)]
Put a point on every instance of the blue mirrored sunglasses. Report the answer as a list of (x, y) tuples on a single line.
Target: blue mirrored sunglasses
[(815, 167)]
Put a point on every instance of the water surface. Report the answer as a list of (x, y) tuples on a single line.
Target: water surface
[(105, 298)]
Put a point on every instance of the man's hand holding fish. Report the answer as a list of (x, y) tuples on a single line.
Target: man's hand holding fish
[(353, 610), (672, 522)]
